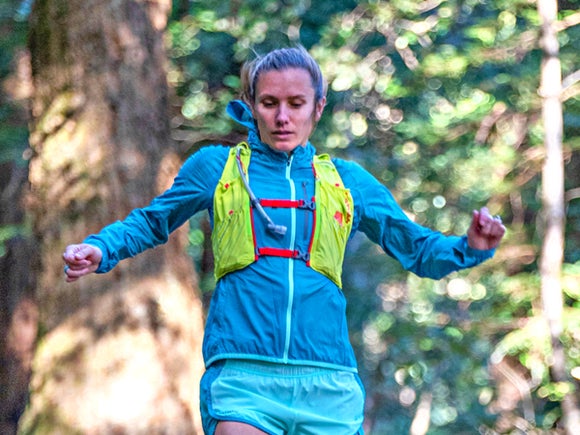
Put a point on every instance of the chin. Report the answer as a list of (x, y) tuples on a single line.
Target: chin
[(284, 147)]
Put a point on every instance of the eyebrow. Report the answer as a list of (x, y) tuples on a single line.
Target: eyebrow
[(297, 96)]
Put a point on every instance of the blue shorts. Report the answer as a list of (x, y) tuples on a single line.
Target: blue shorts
[(282, 399)]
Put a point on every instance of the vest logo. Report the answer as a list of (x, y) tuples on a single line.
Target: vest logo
[(338, 217)]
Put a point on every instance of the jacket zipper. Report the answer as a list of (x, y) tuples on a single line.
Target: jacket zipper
[(290, 260)]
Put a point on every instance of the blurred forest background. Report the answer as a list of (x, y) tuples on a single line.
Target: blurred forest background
[(453, 104)]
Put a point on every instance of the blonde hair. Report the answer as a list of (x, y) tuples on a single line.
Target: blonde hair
[(280, 59)]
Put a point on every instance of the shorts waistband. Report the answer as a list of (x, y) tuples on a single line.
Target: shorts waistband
[(277, 369)]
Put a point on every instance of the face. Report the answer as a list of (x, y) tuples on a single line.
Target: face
[(285, 109)]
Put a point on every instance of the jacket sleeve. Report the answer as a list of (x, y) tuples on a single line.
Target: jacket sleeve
[(147, 227), (420, 250)]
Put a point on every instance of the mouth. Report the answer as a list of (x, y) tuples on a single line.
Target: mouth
[(281, 134)]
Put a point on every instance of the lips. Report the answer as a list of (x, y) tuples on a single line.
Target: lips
[(281, 133)]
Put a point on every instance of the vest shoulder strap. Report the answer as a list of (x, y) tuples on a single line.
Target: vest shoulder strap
[(324, 169), (231, 169)]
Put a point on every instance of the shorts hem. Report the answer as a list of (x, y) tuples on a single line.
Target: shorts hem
[(219, 419)]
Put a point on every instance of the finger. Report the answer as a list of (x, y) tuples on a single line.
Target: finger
[(484, 216), (74, 274), (79, 255), (83, 252), (79, 265), (68, 254), (68, 274), (475, 219), (498, 229), (71, 252), (75, 264), (484, 224), (70, 278), (497, 222)]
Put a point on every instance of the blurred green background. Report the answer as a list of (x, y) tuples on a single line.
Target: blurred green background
[(439, 100)]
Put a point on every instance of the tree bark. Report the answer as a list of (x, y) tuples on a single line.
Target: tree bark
[(120, 353), (18, 308), (553, 206)]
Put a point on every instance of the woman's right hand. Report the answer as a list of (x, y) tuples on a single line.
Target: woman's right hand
[(80, 260)]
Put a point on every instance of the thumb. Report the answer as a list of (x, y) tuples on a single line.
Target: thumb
[(82, 254), (481, 218), (85, 252), (475, 219)]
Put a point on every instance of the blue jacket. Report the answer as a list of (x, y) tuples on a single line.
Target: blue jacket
[(279, 309)]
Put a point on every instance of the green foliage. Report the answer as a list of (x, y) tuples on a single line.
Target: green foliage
[(13, 132), (439, 101), (8, 232), (13, 128)]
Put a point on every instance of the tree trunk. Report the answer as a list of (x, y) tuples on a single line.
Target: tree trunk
[(120, 352), (18, 308), (553, 205)]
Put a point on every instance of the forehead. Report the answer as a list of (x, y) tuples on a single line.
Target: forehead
[(285, 83)]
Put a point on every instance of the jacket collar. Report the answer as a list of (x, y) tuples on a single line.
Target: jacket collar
[(242, 114)]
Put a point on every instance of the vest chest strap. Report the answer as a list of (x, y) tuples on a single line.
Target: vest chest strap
[(287, 203), (286, 253)]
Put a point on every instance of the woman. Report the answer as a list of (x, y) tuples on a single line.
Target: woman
[(276, 345)]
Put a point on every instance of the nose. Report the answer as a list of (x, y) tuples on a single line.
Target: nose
[(282, 115)]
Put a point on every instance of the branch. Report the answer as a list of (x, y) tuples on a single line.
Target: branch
[(572, 194), (571, 79), (569, 21), (569, 88), (523, 388)]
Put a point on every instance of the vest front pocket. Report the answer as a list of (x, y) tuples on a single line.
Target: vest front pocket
[(232, 238), (333, 226)]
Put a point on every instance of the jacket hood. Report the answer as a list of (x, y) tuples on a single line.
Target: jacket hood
[(242, 114)]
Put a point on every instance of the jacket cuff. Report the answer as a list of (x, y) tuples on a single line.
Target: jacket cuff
[(480, 255), (104, 265)]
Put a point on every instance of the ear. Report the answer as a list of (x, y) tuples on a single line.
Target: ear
[(319, 108), (251, 106)]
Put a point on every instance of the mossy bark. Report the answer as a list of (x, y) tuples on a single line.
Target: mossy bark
[(121, 351)]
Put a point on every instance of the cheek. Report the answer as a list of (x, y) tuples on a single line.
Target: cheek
[(262, 125), (261, 117), (258, 118)]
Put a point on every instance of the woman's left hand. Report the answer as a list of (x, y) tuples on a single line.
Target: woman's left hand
[(485, 231)]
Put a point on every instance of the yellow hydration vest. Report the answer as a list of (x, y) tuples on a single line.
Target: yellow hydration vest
[(233, 238)]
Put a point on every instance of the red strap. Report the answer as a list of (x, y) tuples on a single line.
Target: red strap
[(281, 203), (286, 253), (277, 252)]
